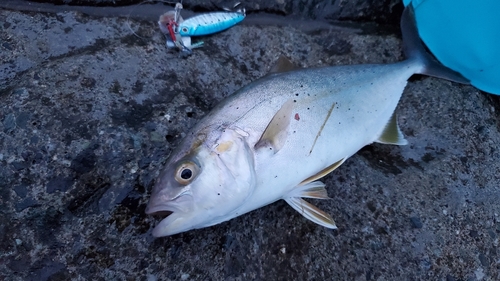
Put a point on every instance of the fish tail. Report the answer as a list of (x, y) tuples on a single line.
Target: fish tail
[(415, 50)]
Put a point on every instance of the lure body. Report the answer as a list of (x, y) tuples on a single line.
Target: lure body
[(210, 23)]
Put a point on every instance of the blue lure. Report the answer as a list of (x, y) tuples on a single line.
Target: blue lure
[(210, 23)]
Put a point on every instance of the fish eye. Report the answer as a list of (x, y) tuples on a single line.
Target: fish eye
[(186, 172)]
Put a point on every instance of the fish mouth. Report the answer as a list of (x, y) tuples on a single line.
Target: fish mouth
[(169, 216), (179, 205), (171, 212), (161, 214)]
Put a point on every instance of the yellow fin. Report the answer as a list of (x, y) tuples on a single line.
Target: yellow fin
[(392, 134), (323, 172), (283, 64), (315, 189), (277, 130), (311, 212)]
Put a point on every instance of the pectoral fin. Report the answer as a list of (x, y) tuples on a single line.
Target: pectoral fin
[(276, 131), (311, 212), (392, 134)]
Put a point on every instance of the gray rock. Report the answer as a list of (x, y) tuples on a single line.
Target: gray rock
[(386, 11), (102, 108)]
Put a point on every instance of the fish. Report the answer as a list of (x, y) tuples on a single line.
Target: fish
[(276, 137)]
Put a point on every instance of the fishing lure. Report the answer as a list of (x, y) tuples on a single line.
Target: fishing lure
[(168, 24), (179, 31), (210, 23)]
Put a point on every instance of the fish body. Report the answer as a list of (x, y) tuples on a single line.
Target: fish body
[(339, 110), (274, 138)]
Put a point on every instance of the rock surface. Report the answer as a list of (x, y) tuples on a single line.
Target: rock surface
[(90, 112), (385, 11)]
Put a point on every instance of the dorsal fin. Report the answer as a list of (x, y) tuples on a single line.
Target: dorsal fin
[(392, 134), (277, 130), (283, 64)]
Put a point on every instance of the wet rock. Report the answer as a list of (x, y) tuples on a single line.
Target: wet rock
[(91, 112), (387, 11)]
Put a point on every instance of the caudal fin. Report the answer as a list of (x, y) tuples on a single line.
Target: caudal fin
[(415, 50)]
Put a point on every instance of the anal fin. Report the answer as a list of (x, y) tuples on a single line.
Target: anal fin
[(392, 134)]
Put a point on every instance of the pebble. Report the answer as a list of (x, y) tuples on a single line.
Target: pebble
[(483, 259), (9, 123), (416, 222), (450, 278), (492, 233), (479, 274)]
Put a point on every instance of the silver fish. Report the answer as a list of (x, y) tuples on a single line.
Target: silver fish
[(274, 138)]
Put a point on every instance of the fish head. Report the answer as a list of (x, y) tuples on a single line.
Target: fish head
[(204, 184)]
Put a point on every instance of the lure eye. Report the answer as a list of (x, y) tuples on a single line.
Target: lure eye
[(184, 29), (186, 172)]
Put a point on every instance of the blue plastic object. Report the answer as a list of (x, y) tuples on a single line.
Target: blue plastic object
[(209, 23), (464, 35)]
